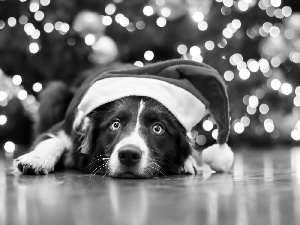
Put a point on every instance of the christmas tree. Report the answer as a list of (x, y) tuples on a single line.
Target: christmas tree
[(254, 44)]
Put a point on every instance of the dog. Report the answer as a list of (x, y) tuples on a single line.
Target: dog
[(131, 137)]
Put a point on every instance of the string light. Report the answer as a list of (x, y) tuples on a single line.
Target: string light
[(195, 51), (264, 108), (161, 21), (274, 31), (29, 28), (149, 55), (106, 20), (295, 134), (244, 74), (253, 65), (36, 34), (214, 134), (182, 49), (276, 3), (34, 7), (37, 87), (160, 2), (238, 128), (253, 101), (148, 10), (17, 79), (287, 11), (89, 39), (3, 95), (202, 26), (209, 45), (2, 24), (166, 12), (198, 17), (139, 64), (9, 147), (48, 27), (201, 140), (140, 25), (297, 101), (22, 94), (34, 48), (250, 110), (3, 120), (245, 120), (286, 88), (295, 57), (275, 84), (39, 15), (228, 3), (243, 6), (269, 125), (228, 75), (124, 21), (207, 125), (45, 2), (11, 21), (110, 9), (263, 64)]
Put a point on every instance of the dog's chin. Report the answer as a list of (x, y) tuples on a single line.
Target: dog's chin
[(131, 175)]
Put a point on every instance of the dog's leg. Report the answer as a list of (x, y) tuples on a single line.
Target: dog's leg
[(45, 155), (190, 165)]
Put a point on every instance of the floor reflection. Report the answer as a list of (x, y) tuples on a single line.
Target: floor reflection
[(263, 188)]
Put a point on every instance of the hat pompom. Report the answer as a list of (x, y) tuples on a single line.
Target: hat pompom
[(219, 157)]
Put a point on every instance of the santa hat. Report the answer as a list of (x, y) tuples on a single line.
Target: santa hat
[(186, 88)]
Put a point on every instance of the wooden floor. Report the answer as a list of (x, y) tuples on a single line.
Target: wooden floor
[(264, 188)]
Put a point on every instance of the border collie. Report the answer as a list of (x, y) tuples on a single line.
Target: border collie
[(132, 137)]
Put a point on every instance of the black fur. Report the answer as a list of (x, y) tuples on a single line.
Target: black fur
[(54, 102)]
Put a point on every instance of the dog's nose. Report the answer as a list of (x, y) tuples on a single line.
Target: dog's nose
[(129, 155)]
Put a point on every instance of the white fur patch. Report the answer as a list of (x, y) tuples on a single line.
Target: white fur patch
[(135, 139), (46, 154)]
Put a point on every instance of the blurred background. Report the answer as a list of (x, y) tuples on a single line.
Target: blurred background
[(254, 44)]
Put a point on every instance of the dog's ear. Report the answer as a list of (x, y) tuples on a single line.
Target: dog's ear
[(89, 139)]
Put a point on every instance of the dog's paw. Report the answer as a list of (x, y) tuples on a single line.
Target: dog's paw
[(33, 163), (190, 166)]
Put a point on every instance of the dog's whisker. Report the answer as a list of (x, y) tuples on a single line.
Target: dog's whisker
[(158, 170), (98, 168), (91, 163), (162, 162), (103, 166), (149, 174), (159, 167)]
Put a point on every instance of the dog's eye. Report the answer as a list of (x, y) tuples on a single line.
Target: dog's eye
[(115, 125), (157, 129)]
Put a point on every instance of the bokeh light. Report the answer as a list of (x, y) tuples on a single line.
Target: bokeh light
[(17, 79), (149, 55), (9, 147), (3, 120), (238, 128), (207, 125)]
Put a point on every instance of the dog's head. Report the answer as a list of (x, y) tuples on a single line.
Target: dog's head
[(134, 137)]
